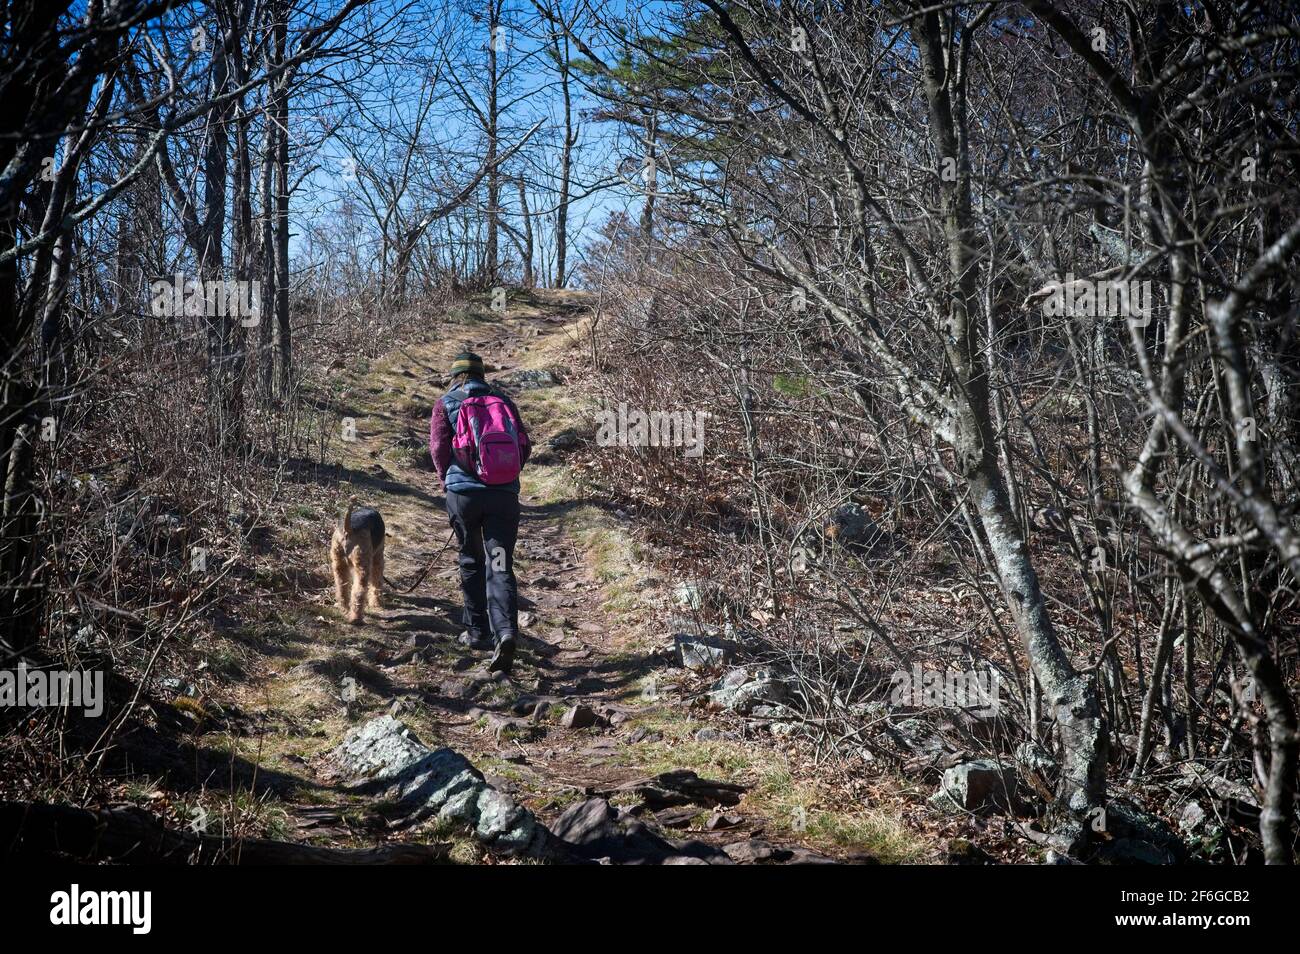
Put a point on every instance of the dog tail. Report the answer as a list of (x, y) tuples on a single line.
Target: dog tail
[(346, 520)]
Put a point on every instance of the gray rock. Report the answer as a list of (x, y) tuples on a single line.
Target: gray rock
[(740, 690), (755, 851), (1054, 857), (594, 829), (687, 596), (528, 379), (1137, 837), (1221, 787), (976, 785), (1192, 816), (586, 822), (580, 717), (1031, 757), (378, 751), (919, 737), (383, 755), (179, 686), (806, 856), (701, 652)]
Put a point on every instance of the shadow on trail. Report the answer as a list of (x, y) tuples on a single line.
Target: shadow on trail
[(302, 471), (190, 767), (613, 676)]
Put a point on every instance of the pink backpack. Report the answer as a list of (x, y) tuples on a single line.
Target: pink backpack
[(486, 442)]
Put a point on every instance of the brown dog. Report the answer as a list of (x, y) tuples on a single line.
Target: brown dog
[(357, 557)]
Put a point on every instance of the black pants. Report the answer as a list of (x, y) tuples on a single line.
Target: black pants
[(486, 524)]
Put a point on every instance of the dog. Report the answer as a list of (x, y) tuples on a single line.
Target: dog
[(357, 557)]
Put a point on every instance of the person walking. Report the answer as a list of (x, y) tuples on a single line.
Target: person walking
[(479, 445)]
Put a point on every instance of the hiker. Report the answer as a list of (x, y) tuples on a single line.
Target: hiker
[(479, 445)]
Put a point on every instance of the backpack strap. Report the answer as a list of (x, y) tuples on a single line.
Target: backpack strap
[(451, 404), (457, 396)]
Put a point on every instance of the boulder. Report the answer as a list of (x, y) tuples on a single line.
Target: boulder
[(976, 785), (383, 756)]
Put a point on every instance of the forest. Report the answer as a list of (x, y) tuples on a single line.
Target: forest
[(904, 400)]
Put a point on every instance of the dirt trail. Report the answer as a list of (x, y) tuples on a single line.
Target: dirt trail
[(593, 633)]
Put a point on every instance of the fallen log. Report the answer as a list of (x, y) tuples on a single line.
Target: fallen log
[(134, 836)]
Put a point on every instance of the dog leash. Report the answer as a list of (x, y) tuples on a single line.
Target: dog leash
[(423, 573)]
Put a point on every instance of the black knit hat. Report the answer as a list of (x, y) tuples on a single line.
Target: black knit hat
[(467, 362)]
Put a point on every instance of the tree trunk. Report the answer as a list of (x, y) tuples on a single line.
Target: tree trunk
[(1073, 697), (494, 176), (22, 594), (282, 207), (210, 245), (241, 206), (651, 172), (528, 234), (566, 167), (267, 256)]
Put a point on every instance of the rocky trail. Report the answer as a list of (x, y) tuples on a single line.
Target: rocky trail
[(390, 732)]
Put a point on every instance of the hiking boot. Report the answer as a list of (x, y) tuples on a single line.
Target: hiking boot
[(504, 657), (473, 640)]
